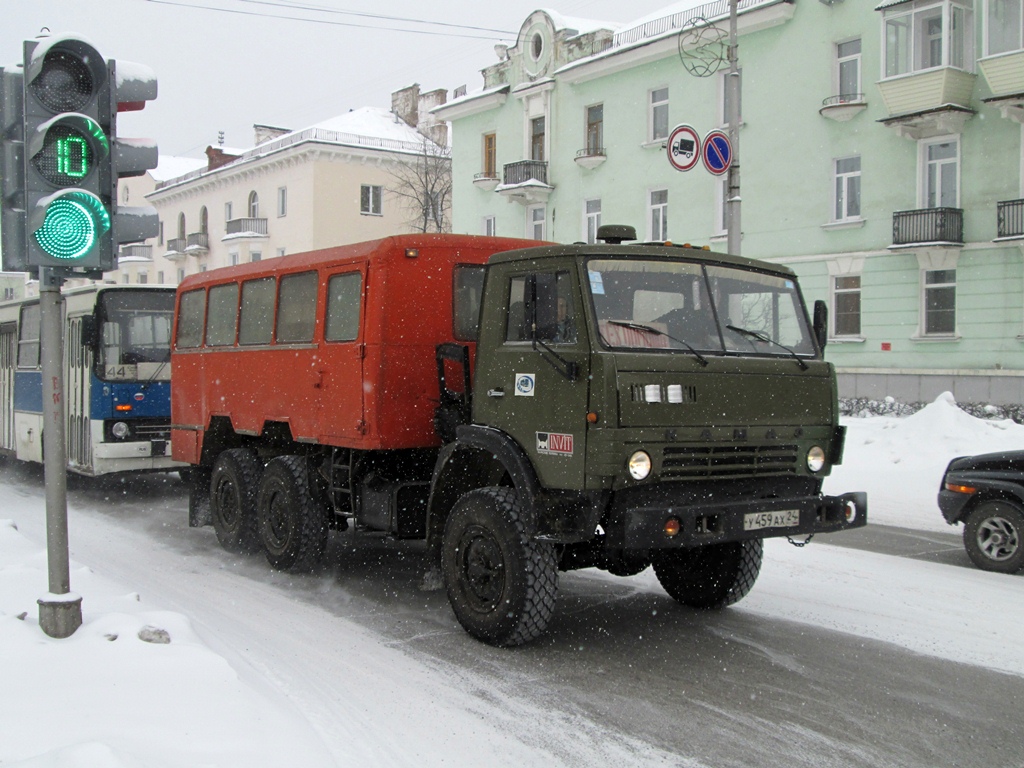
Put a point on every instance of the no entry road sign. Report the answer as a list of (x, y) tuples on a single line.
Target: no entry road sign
[(717, 153), (683, 147)]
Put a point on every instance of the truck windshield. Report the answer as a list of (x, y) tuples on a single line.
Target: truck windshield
[(134, 334), (688, 306)]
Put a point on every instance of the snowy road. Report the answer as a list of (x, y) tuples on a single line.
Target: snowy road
[(838, 657)]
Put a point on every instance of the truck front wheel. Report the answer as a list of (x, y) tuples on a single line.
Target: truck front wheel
[(233, 486), (501, 583), (994, 536), (292, 526), (713, 576)]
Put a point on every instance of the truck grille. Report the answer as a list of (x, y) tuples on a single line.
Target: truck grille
[(703, 462)]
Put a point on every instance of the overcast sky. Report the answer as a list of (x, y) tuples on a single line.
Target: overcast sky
[(224, 70)]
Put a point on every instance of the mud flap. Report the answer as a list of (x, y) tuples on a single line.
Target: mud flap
[(199, 512)]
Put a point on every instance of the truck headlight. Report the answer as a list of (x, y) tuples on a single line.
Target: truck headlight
[(815, 459), (639, 465), (120, 430)]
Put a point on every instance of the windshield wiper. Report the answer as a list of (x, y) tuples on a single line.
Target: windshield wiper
[(768, 340), (659, 332)]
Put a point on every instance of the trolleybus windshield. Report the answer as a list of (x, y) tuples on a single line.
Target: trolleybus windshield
[(134, 334)]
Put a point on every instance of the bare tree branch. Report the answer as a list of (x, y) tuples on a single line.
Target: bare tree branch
[(423, 184)]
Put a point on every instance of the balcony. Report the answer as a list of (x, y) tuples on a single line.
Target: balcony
[(1010, 220), (525, 182), (136, 252), (932, 102), (485, 181), (176, 249), (1004, 73), (591, 157), (843, 107), (928, 226), (197, 244), (239, 229)]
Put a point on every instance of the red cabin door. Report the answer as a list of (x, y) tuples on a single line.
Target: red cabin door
[(339, 372)]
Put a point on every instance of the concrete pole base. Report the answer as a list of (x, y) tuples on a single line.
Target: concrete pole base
[(60, 615)]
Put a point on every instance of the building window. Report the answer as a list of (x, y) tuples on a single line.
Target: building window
[(595, 130), (280, 252), (1005, 26), (181, 274), (126, 278), (657, 215), (490, 227), (491, 155), (204, 220), (143, 278), (848, 70), (591, 219), (233, 259), (181, 226), (846, 305), (282, 201), (941, 173), (847, 189), (657, 115), (160, 277), (537, 129), (535, 216), (227, 211), (370, 200), (940, 302), (922, 35), (160, 234), (255, 256), (254, 205)]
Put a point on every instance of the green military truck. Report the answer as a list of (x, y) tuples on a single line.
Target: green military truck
[(612, 406)]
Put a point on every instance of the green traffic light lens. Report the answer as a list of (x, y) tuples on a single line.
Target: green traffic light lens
[(73, 224)]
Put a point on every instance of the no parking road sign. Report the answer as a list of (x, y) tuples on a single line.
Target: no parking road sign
[(683, 147), (717, 153)]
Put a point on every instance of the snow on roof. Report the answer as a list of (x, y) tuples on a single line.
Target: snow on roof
[(581, 26), (372, 122), (170, 167)]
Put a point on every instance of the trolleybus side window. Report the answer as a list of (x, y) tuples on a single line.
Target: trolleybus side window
[(344, 293), (468, 287), (256, 324), (222, 317), (191, 319), (28, 337), (296, 308)]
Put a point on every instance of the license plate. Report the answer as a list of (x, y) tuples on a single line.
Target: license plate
[(783, 518)]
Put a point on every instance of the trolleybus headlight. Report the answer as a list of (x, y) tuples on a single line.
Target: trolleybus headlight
[(815, 459), (639, 465), (120, 430)]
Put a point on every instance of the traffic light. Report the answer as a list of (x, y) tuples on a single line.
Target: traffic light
[(73, 158), (12, 170)]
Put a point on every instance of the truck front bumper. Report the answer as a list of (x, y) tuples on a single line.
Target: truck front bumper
[(694, 525)]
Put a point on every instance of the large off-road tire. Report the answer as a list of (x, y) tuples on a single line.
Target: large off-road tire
[(501, 583), (710, 577), (233, 488), (994, 536), (292, 526)]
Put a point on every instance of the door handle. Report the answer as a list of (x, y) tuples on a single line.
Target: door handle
[(495, 393)]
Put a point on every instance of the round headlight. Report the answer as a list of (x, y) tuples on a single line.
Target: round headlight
[(639, 465), (120, 430), (815, 459)]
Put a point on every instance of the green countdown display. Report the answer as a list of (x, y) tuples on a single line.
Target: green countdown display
[(68, 154)]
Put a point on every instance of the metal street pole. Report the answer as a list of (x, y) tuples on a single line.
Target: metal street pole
[(733, 179), (60, 611)]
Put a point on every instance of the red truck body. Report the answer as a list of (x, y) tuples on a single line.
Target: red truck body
[(375, 391)]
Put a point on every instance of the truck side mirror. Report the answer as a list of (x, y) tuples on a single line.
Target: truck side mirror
[(821, 323)]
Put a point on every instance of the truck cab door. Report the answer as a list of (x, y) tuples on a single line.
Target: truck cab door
[(532, 369), (339, 371)]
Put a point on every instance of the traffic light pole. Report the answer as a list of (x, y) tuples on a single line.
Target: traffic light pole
[(60, 611)]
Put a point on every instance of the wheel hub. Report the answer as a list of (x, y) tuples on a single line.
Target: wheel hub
[(997, 539), (482, 567)]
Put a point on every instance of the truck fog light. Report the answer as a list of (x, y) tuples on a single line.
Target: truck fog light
[(639, 465), (851, 511), (120, 430), (815, 459)]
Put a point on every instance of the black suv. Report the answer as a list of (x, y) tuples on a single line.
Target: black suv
[(986, 493)]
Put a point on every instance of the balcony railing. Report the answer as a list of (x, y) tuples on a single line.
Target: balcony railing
[(176, 245), (524, 171), (253, 226), (1010, 218), (928, 225), (136, 252), (198, 241)]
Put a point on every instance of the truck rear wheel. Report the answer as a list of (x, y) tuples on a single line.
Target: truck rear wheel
[(710, 577), (233, 487), (292, 526), (501, 583)]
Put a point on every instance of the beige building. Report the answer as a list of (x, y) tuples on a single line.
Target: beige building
[(344, 180)]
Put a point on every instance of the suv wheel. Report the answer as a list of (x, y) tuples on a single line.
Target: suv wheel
[(994, 536)]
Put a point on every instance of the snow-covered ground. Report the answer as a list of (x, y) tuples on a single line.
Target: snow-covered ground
[(105, 698)]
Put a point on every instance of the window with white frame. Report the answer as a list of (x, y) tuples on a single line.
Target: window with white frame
[(846, 189), (227, 211), (846, 305), (538, 131), (940, 173), (181, 274), (282, 201), (848, 71), (1004, 24), (233, 259), (657, 215), (594, 136), (657, 114), (490, 226), (160, 277), (126, 278), (254, 205), (279, 253), (370, 200), (591, 219), (535, 218), (255, 256), (925, 34), (142, 278), (939, 302)]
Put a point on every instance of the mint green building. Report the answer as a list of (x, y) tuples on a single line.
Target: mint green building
[(882, 155)]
